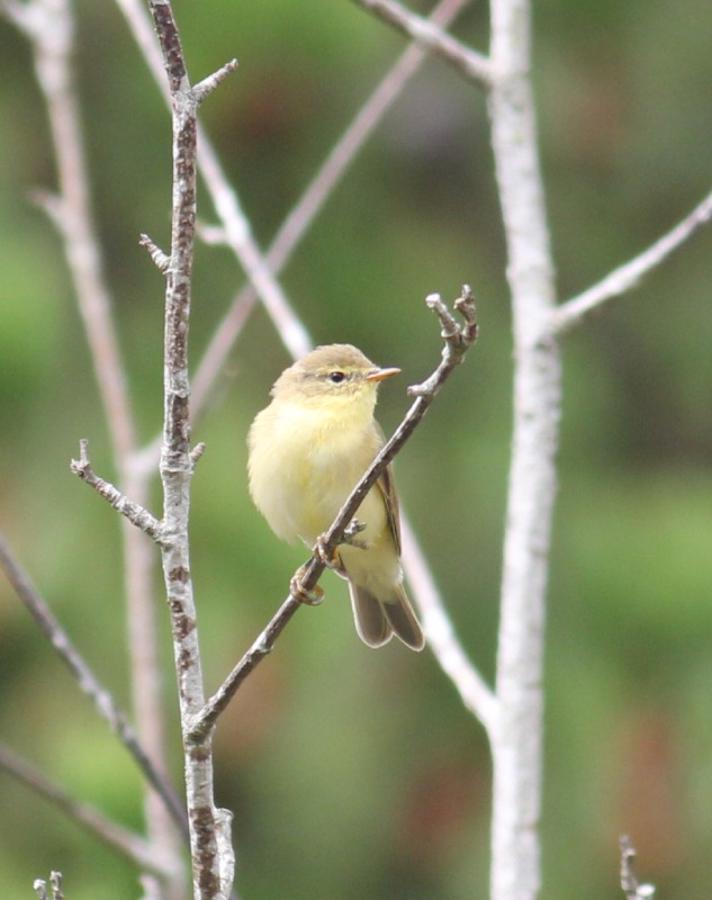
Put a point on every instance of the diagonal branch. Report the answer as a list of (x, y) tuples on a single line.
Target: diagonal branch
[(627, 276), (134, 512), (49, 27), (127, 843), (473, 65), (457, 339), (103, 701)]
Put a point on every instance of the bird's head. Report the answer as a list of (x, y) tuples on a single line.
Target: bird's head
[(336, 375)]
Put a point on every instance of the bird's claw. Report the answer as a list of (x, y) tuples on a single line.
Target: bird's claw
[(309, 598), (330, 560), (354, 528)]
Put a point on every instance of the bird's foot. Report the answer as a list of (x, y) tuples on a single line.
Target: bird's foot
[(309, 598), (350, 534), (330, 560)]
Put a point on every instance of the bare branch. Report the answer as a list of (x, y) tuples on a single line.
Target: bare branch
[(52, 206), (211, 849), (29, 18), (632, 888), (49, 26), (629, 275), (103, 701), (457, 338), (212, 235), (456, 344), (55, 880), (473, 65), (197, 452), (517, 740), (160, 259), (337, 162), (203, 89), (130, 845), (136, 514)]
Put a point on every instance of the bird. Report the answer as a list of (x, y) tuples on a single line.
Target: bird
[(307, 450)]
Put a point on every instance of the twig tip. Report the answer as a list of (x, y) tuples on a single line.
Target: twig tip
[(80, 466), (204, 88), (197, 452), (161, 260)]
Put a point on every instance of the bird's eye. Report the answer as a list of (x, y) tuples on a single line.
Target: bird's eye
[(336, 377)]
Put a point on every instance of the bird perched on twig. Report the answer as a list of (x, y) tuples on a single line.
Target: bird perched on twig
[(307, 451)]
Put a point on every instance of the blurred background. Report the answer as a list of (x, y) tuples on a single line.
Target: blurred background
[(357, 774)]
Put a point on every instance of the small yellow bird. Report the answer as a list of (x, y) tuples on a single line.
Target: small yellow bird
[(307, 451)]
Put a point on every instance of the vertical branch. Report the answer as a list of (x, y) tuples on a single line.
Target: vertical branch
[(210, 848), (517, 741), (49, 26)]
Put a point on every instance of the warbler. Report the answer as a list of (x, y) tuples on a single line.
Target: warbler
[(307, 451)]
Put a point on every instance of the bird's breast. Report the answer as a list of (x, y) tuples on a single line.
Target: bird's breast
[(306, 464)]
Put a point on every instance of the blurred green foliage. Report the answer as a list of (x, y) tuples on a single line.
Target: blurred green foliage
[(356, 774)]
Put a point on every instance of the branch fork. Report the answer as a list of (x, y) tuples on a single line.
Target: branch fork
[(136, 514), (203, 89), (457, 338), (39, 885)]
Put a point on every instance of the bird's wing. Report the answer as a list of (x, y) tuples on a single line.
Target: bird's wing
[(390, 498), (387, 487)]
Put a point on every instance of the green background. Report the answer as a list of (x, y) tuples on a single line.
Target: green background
[(352, 773)]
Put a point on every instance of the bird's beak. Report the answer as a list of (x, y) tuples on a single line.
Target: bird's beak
[(381, 374)]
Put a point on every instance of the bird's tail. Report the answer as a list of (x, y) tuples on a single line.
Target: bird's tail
[(377, 620)]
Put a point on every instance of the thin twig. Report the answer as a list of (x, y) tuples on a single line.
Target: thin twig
[(456, 341), (632, 888), (49, 27), (160, 259), (627, 276), (473, 65), (202, 90), (55, 880), (103, 701), (212, 855), (134, 512), (130, 845)]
